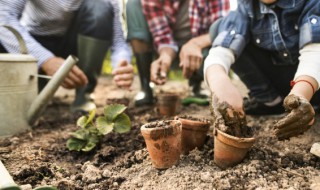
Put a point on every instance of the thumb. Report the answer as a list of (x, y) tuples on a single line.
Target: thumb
[(291, 102)]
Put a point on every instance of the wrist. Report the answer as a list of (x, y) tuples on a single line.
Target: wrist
[(167, 53)]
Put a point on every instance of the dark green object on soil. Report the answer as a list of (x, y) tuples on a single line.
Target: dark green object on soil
[(195, 100)]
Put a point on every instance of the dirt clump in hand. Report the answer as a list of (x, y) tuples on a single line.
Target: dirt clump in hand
[(229, 121)]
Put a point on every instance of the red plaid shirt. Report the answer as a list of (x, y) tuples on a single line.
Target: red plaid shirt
[(160, 15)]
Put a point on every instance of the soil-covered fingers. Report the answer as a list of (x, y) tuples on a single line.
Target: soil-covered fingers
[(282, 135), (301, 115), (300, 123)]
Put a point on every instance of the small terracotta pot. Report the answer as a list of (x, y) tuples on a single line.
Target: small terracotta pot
[(194, 133), (168, 103), (163, 142), (230, 150)]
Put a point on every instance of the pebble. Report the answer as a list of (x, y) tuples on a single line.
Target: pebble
[(315, 149)]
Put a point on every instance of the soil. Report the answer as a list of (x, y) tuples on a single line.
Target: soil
[(40, 157)]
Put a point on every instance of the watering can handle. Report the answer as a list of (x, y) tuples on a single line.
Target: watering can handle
[(22, 44)]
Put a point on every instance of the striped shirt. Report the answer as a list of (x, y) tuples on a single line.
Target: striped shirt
[(51, 18)]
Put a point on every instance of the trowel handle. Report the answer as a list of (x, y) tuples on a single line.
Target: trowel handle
[(6, 181), (39, 104)]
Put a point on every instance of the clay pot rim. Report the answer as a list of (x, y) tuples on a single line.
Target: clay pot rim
[(149, 130), (234, 141), (194, 121)]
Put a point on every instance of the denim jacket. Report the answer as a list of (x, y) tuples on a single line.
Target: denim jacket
[(282, 28)]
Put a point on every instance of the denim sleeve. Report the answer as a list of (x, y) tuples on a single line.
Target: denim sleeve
[(234, 31), (310, 23)]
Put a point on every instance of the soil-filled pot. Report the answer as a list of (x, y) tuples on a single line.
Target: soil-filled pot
[(230, 150), (163, 140), (168, 103), (194, 132)]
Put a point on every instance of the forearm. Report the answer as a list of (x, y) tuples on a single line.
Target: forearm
[(304, 86), (308, 72), (168, 52), (215, 75), (120, 49), (202, 41)]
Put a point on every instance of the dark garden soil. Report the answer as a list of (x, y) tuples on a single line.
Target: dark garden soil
[(40, 157)]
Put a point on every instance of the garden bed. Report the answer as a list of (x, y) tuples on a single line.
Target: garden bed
[(40, 157)]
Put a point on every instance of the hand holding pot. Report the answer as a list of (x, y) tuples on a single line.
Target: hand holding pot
[(300, 117), (226, 118)]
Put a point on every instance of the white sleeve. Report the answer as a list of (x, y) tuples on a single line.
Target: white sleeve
[(309, 62), (219, 56)]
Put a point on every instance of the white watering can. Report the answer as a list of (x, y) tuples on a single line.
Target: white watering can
[(20, 104)]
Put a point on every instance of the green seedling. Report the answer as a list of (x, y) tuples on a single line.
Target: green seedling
[(92, 130)]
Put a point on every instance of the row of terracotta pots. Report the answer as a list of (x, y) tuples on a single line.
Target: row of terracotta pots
[(167, 139)]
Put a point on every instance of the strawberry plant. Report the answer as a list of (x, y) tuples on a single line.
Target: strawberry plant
[(92, 130)]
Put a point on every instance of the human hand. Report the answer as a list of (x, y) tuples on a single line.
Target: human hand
[(75, 77), (161, 66), (300, 117), (123, 74), (190, 58), (227, 119)]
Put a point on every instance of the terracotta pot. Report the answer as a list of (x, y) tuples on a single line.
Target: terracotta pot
[(194, 133), (230, 150), (168, 103), (163, 142)]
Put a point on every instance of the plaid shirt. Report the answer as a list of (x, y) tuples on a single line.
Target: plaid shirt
[(160, 15)]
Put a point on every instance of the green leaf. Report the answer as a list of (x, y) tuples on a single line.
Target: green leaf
[(112, 111), (122, 123), (104, 126), (82, 121), (80, 134), (76, 144), (92, 142), (92, 113)]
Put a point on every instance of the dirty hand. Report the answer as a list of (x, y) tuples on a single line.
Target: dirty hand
[(299, 120), (75, 77), (161, 66), (123, 74), (190, 58), (226, 118)]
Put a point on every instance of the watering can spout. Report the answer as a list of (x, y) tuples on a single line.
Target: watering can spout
[(39, 104)]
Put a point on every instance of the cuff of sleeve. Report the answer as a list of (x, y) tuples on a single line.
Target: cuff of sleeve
[(43, 57), (231, 40), (172, 46), (310, 31), (309, 62), (116, 57), (219, 56)]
